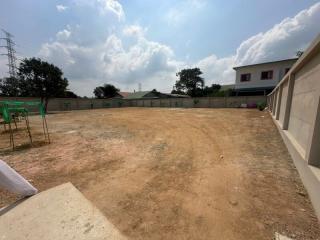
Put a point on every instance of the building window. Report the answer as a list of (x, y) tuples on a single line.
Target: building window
[(286, 70), (245, 77), (265, 75)]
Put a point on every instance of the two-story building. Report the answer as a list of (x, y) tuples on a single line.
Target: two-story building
[(261, 78)]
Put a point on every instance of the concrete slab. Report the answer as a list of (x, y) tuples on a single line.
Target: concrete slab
[(58, 213), (278, 236)]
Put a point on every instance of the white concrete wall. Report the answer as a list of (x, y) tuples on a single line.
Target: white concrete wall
[(305, 102), (295, 107), (255, 70)]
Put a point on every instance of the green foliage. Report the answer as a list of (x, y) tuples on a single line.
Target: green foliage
[(9, 87), (106, 91), (70, 94), (190, 82), (212, 91), (174, 91), (41, 79), (299, 53), (223, 93), (261, 105), (195, 101), (38, 78)]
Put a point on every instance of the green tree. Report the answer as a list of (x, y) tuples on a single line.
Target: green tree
[(10, 87), (70, 94), (174, 91), (190, 82), (105, 91), (299, 53), (38, 78), (211, 91)]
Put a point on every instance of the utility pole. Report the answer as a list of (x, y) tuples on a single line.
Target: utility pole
[(10, 53)]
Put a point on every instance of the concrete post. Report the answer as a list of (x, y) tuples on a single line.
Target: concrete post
[(270, 103), (313, 150), (273, 97), (286, 118), (279, 102), (274, 107)]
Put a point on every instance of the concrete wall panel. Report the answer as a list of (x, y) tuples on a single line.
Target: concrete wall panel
[(188, 102), (283, 101), (305, 102), (299, 117)]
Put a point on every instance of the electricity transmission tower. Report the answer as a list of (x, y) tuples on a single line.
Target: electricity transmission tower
[(10, 53)]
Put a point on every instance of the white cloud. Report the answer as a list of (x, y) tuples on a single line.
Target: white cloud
[(183, 11), (217, 70), (148, 62), (61, 8), (114, 60), (114, 6), (280, 42), (134, 30), (283, 40), (63, 35), (142, 62)]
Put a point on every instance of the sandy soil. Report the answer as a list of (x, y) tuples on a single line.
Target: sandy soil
[(173, 173)]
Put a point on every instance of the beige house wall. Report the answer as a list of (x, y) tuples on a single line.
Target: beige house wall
[(255, 71)]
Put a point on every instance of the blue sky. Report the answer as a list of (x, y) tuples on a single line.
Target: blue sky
[(135, 41)]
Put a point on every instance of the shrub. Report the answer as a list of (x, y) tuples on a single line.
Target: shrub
[(261, 106)]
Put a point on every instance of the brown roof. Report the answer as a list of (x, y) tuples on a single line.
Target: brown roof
[(124, 94)]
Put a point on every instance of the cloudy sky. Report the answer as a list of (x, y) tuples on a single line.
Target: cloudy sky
[(127, 42)]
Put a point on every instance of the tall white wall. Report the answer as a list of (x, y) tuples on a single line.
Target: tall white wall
[(295, 108)]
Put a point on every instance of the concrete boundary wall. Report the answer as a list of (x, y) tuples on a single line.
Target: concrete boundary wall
[(294, 105), (68, 104)]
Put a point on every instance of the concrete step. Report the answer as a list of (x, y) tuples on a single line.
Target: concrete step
[(61, 212)]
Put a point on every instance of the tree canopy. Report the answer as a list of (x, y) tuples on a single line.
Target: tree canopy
[(190, 82), (105, 91), (38, 78), (211, 91), (70, 94), (9, 87)]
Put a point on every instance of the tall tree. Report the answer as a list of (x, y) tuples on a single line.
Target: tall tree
[(190, 82), (105, 91), (41, 79), (70, 94), (211, 91)]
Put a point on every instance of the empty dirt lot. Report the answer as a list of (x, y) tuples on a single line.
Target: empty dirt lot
[(173, 173)]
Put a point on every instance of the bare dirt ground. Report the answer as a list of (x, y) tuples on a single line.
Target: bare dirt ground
[(173, 173)]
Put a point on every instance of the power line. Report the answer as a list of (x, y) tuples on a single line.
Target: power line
[(11, 53)]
